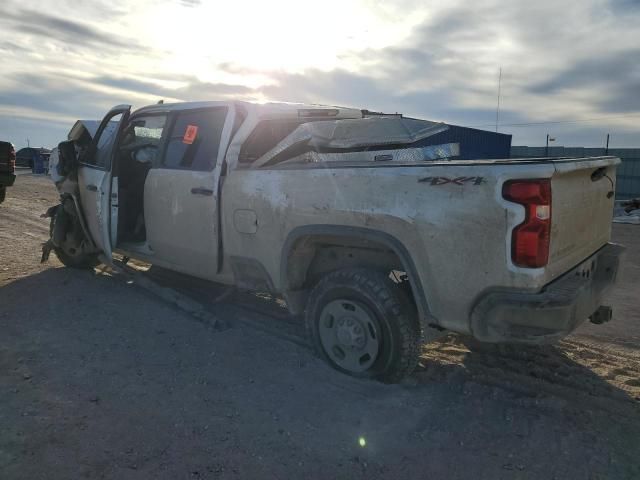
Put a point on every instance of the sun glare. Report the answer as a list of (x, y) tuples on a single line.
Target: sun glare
[(259, 37)]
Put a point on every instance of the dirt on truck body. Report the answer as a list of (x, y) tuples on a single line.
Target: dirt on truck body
[(321, 204)]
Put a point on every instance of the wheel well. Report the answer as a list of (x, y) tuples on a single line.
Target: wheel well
[(313, 256)]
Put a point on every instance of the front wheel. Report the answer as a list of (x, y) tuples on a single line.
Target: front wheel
[(3, 194), (364, 325), (67, 239), (82, 261)]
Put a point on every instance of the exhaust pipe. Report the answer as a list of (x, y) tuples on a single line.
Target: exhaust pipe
[(602, 315)]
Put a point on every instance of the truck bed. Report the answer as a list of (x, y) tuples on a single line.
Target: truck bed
[(450, 215)]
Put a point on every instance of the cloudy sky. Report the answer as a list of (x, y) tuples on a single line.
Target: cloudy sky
[(561, 60)]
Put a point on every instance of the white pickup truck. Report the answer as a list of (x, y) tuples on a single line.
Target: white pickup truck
[(382, 240)]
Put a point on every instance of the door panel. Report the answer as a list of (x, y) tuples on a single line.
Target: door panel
[(180, 216), (91, 183), (180, 197), (94, 177)]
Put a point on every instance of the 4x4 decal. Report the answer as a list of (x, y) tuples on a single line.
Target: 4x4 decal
[(456, 181)]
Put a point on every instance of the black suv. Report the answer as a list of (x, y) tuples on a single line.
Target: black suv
[(7, 167)]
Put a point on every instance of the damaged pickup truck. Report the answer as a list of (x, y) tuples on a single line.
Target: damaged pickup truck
[(381, 239)]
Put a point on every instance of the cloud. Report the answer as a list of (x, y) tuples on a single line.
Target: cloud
[(197, 90), (617, 67), (193, 89), (71, 33), (56, 98), (13, 48), (614, 80), (625, 5), (578, 60)]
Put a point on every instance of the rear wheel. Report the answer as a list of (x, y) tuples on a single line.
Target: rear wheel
[(3, 194), (362, 324)]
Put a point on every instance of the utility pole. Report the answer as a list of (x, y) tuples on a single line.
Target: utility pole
[(498, 107), (606, 150), (546, 149), (28, 144)]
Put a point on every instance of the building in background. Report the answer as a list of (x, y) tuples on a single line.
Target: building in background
[(37, 159), (474, 143), (628, 173)]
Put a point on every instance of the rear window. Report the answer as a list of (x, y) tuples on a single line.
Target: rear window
[(266, 135)]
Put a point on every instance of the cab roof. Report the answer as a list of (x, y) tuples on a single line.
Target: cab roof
[(262, 109)]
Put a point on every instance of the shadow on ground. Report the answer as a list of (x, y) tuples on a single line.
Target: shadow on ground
[(101, 380)]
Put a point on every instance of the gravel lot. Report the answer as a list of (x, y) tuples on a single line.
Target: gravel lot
[(99, 378)]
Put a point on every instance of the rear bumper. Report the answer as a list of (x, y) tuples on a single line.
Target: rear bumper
[(561, 306), (7, 179)]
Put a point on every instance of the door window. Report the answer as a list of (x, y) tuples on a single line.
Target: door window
[(195, 139), (106, 140), (142, 137), (148, 129)]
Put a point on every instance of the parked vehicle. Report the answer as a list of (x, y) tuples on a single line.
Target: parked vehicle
[(7, 168), (384, 243)]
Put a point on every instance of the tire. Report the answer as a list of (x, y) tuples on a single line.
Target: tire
[(72, 259), (363, 324), (3, 194), (82, 262)]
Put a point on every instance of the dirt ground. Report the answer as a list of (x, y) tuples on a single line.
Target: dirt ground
[(99, 378)]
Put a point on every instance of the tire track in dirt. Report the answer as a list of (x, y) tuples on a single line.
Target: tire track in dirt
[(10, 217), (570, 370)]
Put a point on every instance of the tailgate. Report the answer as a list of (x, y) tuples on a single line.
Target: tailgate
[(7, 158), (581, 210)]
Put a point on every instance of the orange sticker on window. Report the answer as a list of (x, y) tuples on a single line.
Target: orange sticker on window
[(190, 134)]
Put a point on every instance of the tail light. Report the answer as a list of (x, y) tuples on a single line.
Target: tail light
[(12, 158), (530, 239)]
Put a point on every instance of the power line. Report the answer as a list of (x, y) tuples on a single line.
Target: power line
[(530, 124)]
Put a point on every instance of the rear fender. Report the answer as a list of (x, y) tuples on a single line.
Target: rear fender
[(364, 233)]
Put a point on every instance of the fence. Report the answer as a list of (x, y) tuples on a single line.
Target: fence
[(628, 175)]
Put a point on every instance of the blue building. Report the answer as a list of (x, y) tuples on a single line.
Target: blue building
[(474, 143)]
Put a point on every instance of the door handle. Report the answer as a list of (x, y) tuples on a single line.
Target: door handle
[(202, 191), (92, 188)]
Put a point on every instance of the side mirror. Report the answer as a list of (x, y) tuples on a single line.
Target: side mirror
[(68, 158)]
